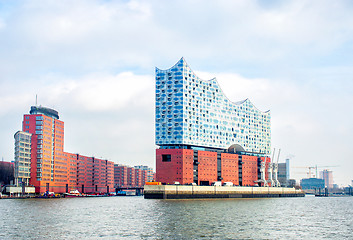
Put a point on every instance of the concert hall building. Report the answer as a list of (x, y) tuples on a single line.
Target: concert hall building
[(203, 136)]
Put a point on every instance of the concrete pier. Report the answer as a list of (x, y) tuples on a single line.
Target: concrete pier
[(199, 192)]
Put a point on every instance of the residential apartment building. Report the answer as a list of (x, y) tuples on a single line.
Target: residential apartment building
[(52, 169), (22, 168)]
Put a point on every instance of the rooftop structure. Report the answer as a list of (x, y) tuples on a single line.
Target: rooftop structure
[(46, 111), (195, 112)]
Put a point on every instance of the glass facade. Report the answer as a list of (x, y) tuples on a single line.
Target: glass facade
[(195, 112)]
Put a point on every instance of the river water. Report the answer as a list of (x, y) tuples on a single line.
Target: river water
[(138, 218)]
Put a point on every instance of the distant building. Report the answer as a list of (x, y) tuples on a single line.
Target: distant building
[(328, 177), (120, 175), (292, 183), (150, 173), (22, 158), (283, 173), (94, 175), (126, 176), (312, 183), (131, 177), (6, 173)]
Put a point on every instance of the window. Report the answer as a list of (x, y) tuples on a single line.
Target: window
[(166, 158)]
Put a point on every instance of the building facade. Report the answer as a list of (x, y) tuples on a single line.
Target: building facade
[(6, 172), (132, 177), (48, 164), (191, 111), (52, 169), (22, 169), (328, 177), (149, 172), (283, 173), (204, 137), (312, 183)]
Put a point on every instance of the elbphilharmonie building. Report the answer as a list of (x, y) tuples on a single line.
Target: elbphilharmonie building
[(204, 137), (191, 112)]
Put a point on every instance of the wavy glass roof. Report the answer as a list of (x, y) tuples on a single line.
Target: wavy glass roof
[(192, 111)]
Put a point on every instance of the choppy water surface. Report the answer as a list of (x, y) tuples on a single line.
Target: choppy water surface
[(137, 218)]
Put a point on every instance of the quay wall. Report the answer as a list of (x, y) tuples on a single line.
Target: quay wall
[(190, 192)]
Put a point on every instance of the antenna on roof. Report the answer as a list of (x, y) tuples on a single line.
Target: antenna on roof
[(36, 99)]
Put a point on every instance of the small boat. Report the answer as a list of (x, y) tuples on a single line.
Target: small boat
[(73, 193)]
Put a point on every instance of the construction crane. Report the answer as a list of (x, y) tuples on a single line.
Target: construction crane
[(316, 167), (310, 173)]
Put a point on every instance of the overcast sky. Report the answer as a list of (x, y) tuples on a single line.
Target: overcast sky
[(94, 62)]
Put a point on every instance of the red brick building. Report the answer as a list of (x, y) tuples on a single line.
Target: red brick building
[(174, 165), (230, 168), (249, 170), (57, 171), (205, 167), (94, 175), (130, 177), (120, 175)]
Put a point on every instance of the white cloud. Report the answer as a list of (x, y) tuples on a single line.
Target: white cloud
[(94, 61)]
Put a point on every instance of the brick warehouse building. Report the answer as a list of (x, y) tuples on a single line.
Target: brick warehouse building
[(131, 177), (202, 136), (54, 170)]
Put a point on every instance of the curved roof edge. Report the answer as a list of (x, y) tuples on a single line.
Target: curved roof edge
[(44, 110), (182, 59)]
